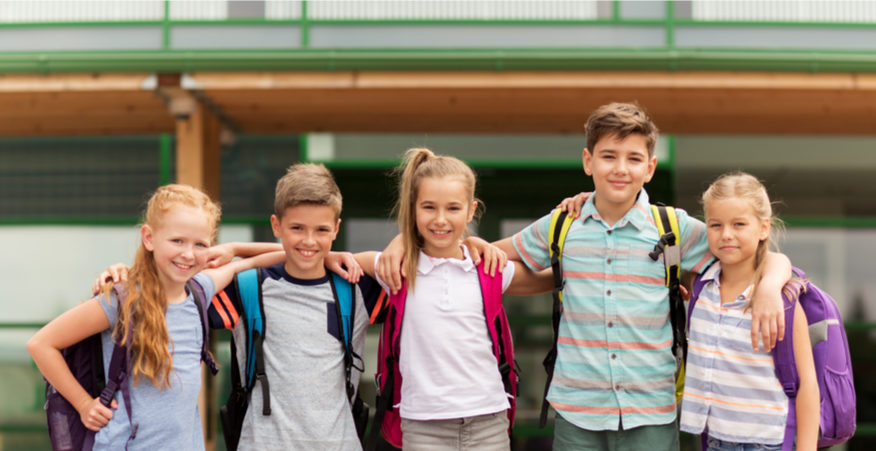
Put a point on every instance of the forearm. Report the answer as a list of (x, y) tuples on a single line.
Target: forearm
[(245, 250), (776, 273), (54, 368), (808, 411), (527, 282), (507, 245), (366, 261)]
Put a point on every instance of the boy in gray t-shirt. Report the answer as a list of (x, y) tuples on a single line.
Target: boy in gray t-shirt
[(303, 348)]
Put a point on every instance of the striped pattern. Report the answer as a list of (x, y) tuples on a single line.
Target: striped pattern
[(614, 361), (728, 387)]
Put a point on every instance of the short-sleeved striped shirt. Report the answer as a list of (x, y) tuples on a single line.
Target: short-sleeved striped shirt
[(614, 360), (729, 387)]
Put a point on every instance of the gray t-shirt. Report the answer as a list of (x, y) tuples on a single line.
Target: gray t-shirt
[(169, 418), (304, 363)]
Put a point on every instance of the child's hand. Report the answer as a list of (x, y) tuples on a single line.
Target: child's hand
[(573, 204), (219, 255), (494, 258), (116, 273), (390, 267), (95, 415), (767, 319), (345, 265)]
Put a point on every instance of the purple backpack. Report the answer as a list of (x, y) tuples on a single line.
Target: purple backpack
[(387, 419), (833, 364), (85, 360)]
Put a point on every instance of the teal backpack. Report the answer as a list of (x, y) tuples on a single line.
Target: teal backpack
[(249, 292)]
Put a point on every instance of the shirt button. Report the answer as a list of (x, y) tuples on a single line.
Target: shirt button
[(617, 386), (613, 356), (608, 292), (608, 232), (610, 324), (608, 260)]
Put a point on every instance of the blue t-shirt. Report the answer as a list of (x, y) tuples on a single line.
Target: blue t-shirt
[(169, 418)]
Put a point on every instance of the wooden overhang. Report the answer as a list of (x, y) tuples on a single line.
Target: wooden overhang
[(690, 102)]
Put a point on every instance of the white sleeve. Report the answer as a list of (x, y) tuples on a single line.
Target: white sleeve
[(508, 275)]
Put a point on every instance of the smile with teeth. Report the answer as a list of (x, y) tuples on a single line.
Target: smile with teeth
[(307, 252), (440, 233), (183, 267)]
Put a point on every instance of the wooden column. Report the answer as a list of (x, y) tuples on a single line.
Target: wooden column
[(197, 164)]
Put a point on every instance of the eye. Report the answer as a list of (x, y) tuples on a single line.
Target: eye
[(176, 241), (202, 245)]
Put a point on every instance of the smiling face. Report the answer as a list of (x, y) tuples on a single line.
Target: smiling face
[(179, 243), (306, 232), (734, 231), (444, 207), (619, 167)]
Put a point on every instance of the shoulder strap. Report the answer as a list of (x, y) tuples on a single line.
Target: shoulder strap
[(669, 245), (557, 231), (200, 298), (117, 375), (249, 291), (345, 307)]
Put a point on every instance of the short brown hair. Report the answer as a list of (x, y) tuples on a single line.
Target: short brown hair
[(307, 183), (620, 120)]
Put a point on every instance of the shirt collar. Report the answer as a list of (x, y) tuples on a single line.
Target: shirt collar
[(426, 264), (639, 216)]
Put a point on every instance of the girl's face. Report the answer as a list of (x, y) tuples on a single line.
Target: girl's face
[(179, 243), (443, 208), (734, 231)]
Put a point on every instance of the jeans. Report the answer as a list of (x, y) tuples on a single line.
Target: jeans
[(481, 433)]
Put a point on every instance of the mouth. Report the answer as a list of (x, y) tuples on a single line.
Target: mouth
[(307, 253), (440, 233), (183, 267)]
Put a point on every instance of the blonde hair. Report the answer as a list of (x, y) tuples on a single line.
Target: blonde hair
[(418, 164), (307, 183), (741, 185), (146, 302), (620, 120)]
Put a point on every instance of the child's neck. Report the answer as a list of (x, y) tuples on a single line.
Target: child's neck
[(735, 279), (611, 213), (175, 294), (451, 253)]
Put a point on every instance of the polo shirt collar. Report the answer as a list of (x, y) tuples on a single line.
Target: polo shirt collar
[(639, 216), (426, 264)]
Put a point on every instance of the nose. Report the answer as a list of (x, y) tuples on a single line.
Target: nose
[(726, 233)]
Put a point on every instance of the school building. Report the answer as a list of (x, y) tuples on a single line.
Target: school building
[(102, 101)]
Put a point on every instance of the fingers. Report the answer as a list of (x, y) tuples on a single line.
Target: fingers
[(755, 333), (98, 415), (389, 271), (780, 327)]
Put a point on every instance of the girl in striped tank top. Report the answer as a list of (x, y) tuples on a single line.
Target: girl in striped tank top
[(731, 392)]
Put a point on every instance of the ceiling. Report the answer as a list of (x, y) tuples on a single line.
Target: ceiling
[(690, 102)]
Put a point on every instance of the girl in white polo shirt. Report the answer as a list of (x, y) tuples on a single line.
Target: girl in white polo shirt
[(452, 395)]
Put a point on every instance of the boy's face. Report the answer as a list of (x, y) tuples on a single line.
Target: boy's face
[(619, 167), (306, 232)]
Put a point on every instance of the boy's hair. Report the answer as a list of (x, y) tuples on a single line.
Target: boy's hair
[(146, 299), (418, 164), (307, 183), (620, 120), (741, 185)]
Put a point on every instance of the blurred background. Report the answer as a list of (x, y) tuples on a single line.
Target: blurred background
[(102, 101)]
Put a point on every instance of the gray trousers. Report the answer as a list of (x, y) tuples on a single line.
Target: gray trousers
[(484, 432)]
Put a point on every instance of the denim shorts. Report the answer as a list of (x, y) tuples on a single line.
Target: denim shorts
[(720, 445)]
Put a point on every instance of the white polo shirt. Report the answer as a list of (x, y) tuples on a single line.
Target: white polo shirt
[(446, 359)]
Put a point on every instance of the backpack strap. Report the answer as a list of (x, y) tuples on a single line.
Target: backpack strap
[(200, 297), (557, 231), (388, 351), (786, 371), (669, 245), (249, 291), (345, 306), (117, 374)]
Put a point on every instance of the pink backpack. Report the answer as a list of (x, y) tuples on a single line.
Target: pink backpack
[(389, 380)]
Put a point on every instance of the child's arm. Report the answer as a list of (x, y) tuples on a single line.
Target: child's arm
[(222, 275), (45, 346), (494, 258), (808, 410), (767, 307), (526, 282)]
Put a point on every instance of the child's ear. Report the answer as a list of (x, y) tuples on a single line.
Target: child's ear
[(471, 211), (275, 225), (585, 160), (337, 228), (146, 237), (765, 229), (652, 166)]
